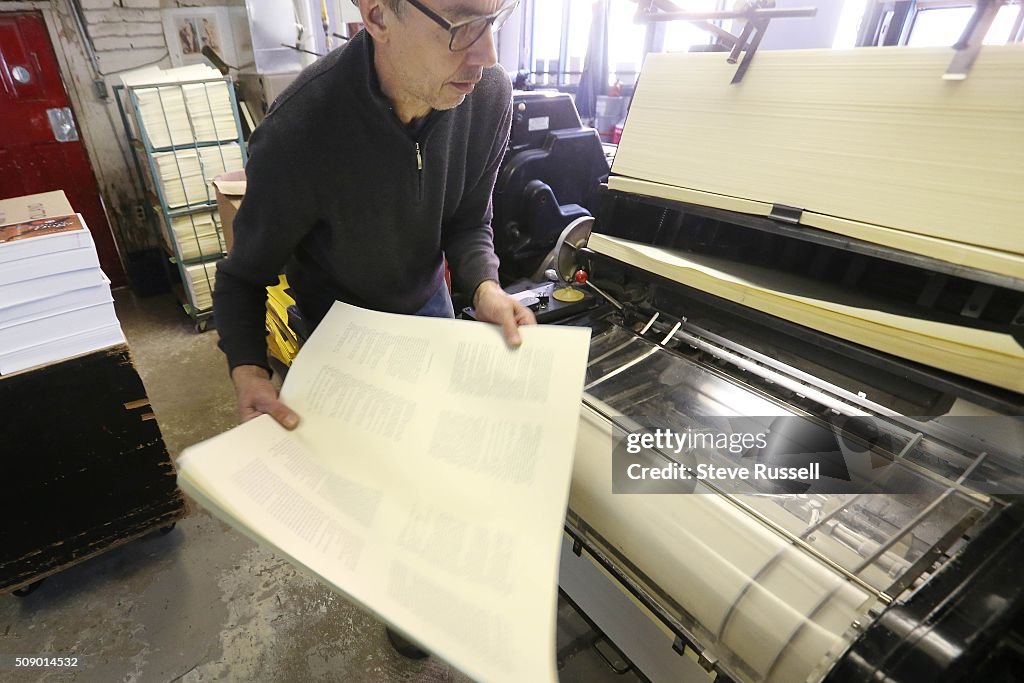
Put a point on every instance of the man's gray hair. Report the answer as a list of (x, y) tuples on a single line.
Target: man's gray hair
[(393, 5)]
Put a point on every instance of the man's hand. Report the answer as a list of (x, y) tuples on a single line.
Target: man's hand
[(493, 305), (258, 396)]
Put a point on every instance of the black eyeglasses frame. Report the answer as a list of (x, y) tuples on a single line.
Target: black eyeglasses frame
[(452, 27)]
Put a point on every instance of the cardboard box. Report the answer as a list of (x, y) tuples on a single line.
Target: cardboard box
[(229, 188), (32, 207)]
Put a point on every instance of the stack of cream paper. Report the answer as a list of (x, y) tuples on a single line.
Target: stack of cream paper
[(992, 357), (871, 143), (174, 110), (198, 235), (427, 481), (185, 174), (199, 278)]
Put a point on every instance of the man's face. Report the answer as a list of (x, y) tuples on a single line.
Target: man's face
[(428, 71)]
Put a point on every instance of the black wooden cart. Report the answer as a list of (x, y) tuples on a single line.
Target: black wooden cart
[(83, 467)]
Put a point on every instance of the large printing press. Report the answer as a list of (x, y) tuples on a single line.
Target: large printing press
[(911, 574)]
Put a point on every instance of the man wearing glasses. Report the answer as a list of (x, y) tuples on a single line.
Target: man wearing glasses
[(374, 166)]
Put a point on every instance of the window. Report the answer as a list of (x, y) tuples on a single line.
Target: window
[(938, 24), (561, 34), (547, 41), (849, 24), (680, 36), (625, 43)]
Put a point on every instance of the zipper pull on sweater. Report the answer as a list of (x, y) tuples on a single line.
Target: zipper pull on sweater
[(419, 173)]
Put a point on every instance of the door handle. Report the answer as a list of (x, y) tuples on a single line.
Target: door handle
[(62, 123)]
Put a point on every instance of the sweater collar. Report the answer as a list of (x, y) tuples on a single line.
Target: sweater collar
[(364, 43)]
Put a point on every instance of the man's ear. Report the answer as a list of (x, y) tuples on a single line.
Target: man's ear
[(377, 19)]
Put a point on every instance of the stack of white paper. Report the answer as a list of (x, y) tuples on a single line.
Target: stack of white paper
[(428, 479), (175, 111), (197, 235), (55, 301), (184, 175)]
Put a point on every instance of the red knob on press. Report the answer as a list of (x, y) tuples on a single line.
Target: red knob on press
[(581, 277)]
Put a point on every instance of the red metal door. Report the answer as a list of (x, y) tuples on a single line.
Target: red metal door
[(32, 159)]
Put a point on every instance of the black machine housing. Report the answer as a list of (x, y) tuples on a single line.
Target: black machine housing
[(551, 175)]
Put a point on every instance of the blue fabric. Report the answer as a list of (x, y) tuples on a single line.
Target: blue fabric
[(439, 305)]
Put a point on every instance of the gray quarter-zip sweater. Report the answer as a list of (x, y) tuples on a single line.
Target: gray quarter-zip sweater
[(353, 206)]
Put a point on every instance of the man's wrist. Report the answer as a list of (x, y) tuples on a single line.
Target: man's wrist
[(247, 371), (483, 287)]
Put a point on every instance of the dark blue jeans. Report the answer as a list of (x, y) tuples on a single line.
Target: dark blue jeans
[(439, 305)]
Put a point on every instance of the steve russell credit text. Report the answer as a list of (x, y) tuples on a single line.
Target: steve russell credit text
[(666, 440)]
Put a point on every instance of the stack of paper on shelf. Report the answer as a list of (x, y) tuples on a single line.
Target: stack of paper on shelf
[(175, 111), (184, 175), (199, 280), (198, 235), (282, 341), (981, 354), (868, 143), (54, 300)]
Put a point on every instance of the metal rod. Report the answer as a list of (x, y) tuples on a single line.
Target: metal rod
[(969, 45), (750, 15), (622, 368), (768, 522), (613, 351), (634, 337), (760, 26), (806, 547), (911, 445), (741, 43), (76, 9), (909, 526), (650, 323), (607, 297)]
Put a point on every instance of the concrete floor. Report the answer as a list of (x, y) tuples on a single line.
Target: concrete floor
[(204, 603)]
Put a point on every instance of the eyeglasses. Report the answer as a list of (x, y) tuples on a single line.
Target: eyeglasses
[(465, 33)]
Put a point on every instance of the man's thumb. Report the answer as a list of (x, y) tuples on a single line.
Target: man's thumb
[(285, 416), (511, 331)]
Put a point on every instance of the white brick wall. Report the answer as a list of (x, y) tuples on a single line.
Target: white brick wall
[(98, 4), (125, 33), (128, 42), (115, 15), (118, 4), (125, 28), (129, 33)]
